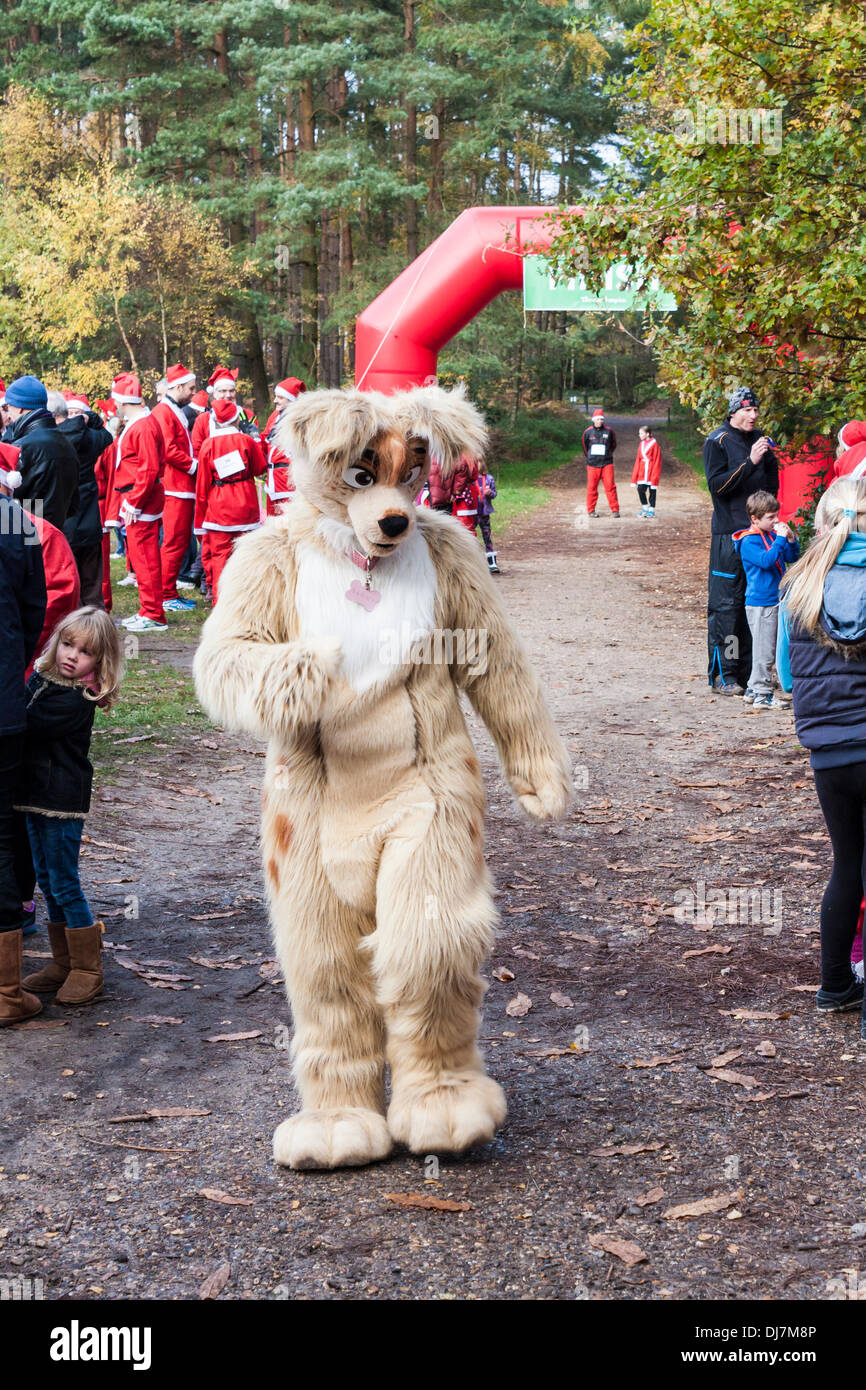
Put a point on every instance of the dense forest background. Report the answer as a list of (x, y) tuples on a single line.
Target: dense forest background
[(237, 181)]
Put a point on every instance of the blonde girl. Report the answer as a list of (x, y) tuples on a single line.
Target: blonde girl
[(79, 668)]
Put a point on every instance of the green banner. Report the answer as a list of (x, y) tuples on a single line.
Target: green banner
[(542, 291)]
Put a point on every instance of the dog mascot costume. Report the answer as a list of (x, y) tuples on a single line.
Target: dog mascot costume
[(327, 642)]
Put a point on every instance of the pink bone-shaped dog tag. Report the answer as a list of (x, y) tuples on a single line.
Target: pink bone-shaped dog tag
[(368, 598)]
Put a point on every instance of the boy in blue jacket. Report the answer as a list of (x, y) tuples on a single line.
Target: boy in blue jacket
[(765, 548)]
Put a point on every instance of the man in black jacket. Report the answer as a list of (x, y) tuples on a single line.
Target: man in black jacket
[(22, 614), (48, 462), (738, 461), (83, 529)]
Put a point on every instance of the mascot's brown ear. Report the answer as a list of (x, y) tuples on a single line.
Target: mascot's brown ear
[(450, 424), (331, 428)]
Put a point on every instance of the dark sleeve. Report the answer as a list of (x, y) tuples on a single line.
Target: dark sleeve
[(723, 477), (583, 443), (771, 463), (57, 711), (33, 600), (612, 440)]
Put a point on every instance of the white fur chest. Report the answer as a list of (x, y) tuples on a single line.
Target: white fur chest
[(377, 644)]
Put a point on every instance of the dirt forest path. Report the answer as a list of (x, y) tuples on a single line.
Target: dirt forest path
[(662, 1062)]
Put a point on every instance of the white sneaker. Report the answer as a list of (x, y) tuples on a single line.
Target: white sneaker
[(184, 584), (138, 623), (858, 969), (130, 582)]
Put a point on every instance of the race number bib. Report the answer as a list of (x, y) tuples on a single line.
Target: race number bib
[(596, 449), (229, 465)]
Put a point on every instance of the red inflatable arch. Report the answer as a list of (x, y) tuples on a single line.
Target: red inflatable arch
[(398, 337)]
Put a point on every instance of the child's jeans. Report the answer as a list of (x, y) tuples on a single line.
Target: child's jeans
[(484, 524), (763, 623), (56, 844)]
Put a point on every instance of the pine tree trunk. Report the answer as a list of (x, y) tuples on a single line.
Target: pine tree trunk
[(410, 137)]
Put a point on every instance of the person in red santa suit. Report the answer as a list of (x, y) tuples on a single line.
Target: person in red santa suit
[(103, 471), (647, 471), (851, 453), (279, 488), (226, 497), (178, 481), (138, 483), (223, 386)]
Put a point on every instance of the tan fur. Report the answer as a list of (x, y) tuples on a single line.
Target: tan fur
[(373, 805)]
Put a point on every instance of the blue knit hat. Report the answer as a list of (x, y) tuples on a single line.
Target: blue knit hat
[(27, 392)]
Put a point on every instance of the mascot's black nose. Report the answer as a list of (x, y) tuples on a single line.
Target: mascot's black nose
[(393, 525)]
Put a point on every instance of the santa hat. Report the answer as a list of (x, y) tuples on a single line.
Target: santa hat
[(222, 374), (199, 401), (126, 389), (2, 391), (75, 400), (225, 411), (9, 475), (179, 376), (854, 432), (598, 412), (289, 388)]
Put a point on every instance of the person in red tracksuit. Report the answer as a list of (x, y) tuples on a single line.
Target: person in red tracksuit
[(647, 471), (599, 443), (279, 488), (226, 497), (138, 484), (178, 481)]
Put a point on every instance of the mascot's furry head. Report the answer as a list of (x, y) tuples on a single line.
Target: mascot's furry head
[(361, 457)]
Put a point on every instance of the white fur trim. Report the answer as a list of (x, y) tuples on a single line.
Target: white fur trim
[(181, 380), (125, 400), (377, 645), (12, 479)]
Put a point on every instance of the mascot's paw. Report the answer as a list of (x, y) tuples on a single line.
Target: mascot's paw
[(326, 653), (548, 799), (345, 1138), (460, 1111)]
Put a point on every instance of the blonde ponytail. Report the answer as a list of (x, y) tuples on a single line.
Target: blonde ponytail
[(840, 512)]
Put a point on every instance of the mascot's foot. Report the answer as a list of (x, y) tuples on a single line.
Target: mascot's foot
[(345, 1138), (461, 1110)]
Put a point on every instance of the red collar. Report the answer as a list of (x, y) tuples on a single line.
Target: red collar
[(364, 562)]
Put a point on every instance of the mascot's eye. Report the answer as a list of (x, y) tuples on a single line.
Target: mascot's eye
[(414, 475), (356, 476)]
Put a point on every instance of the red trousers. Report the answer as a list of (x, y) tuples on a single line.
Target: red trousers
[(142, 547), (604, 475), (219, 547), (106, 569), (177, 518)]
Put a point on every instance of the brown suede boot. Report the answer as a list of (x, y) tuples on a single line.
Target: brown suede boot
[(51, 977), (15, 1003), (84, 981)]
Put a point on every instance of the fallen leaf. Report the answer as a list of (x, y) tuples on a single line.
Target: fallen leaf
[(210, 964), (270, 970), (156, 1018), (754, 1015), (587, 880), (655, 1194), (624, 1250), (235, 1037), (607, 1150), (803, 989), (502, 973), (714, 950), (734, 1078), (216, 1194), (725, 1057), (518, 1006), (756, 1097), (421, 1199), (105, 844), (553, 1052), (766, 1049), (561, 1001), (704, 1207), (653, 1062), (216, 1282), (35, 1024), (522, 951), (211, 916)]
